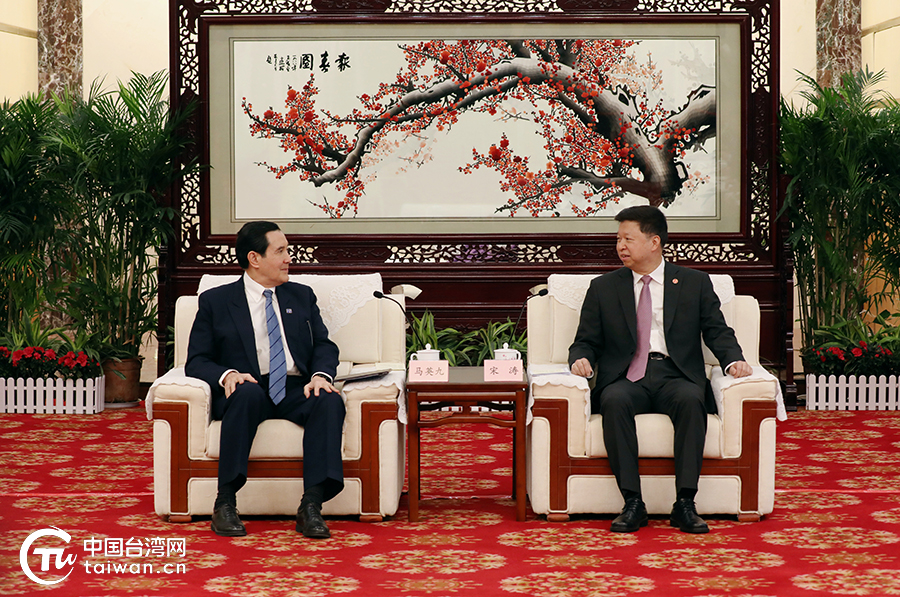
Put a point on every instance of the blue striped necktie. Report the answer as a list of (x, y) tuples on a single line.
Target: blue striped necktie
[(277, 364)]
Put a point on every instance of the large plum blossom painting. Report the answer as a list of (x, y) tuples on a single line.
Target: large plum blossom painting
[(478, 130)]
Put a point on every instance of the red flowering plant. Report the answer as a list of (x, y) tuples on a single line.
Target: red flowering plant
[(33, 361), (857, 359), (78, 366), (40, 362), (853, 348)]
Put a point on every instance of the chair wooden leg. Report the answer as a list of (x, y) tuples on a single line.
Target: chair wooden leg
[(557, 517), (749, 517), (179, 518), (370, 518)]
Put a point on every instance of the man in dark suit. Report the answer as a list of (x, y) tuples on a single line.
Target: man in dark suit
[(641, 327), (262, 347)]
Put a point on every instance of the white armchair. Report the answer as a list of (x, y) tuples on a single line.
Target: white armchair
[(568, 470), (371, 334)]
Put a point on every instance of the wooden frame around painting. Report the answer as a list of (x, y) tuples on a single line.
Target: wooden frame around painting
[(529, 127), (741, 228)]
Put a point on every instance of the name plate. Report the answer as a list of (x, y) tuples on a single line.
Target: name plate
[(429, 371), (496, 370)]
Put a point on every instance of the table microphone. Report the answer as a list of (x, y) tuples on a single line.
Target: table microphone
[(542, 292), (412, 328)]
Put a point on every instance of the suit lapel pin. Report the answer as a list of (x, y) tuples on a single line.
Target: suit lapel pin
[(675, 281), (288, 310)]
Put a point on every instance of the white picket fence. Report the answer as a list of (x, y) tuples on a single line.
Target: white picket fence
[(852, 393), (52, 396)]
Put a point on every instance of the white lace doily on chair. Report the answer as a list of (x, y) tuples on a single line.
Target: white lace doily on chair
[(338, 297), (570, 289)]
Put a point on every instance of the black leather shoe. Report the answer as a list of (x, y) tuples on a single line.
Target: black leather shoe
[(225, 522), (684, 516), (310, 522), (633, 517)]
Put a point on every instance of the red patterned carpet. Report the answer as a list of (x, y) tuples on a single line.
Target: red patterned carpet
[(835, 531)]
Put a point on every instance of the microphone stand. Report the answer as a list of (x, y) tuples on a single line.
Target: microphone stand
[(412, 328), (542, 292)]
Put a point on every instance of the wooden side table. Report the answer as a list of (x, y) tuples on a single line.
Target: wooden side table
[(465, 389)]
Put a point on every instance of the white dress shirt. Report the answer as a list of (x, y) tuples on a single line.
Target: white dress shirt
[(256, 300), (657, 290), (657, 296)]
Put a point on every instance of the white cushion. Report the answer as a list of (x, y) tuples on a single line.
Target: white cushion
[(275, 439), (656, 437)]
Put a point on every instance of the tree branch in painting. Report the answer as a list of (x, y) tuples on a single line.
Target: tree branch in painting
[(587, 99)]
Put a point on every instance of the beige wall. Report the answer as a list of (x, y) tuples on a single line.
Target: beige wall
[(881, 40), (18, 40), (121, 36), (798, 46), (881, 51)]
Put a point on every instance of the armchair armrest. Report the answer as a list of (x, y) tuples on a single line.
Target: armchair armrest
[(176, 387), (545, 382), (388, 390), (731, 392)]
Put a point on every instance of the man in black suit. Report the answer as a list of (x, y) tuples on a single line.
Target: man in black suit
[(262, 347), (641, 327)]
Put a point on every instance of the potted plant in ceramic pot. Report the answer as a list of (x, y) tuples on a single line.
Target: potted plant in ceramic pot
[(841, 153), (121, 151)]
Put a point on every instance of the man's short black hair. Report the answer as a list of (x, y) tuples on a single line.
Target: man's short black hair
[(650, 220), (252, 237)]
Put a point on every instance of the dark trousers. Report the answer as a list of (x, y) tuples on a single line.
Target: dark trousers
[(662, 390), (322, 419)]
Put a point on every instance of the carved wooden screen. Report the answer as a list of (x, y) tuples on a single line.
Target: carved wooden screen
[(473, 274)]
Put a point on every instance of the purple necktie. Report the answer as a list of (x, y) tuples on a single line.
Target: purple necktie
[(638, 366)]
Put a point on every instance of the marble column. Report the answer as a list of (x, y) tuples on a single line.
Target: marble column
[(60, 44), (838, 39)]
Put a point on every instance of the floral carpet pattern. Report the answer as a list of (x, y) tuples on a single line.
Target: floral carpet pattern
[(835, 529)]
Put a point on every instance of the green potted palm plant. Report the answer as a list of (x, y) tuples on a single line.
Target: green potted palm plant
[(841, 153), (38, 362), (33, 237), (120, 152)]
